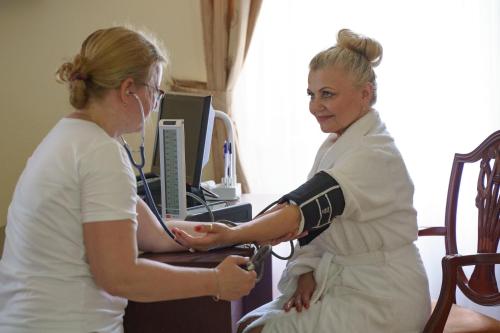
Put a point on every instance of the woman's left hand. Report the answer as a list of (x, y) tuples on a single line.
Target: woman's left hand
[(306, 285), (216, 234)]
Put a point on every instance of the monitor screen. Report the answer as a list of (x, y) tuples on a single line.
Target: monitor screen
[(198, 115)]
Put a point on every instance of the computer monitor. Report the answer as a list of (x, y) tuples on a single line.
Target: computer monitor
[(198, 115)]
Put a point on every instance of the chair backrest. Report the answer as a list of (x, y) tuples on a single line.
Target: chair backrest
[(481, 287)]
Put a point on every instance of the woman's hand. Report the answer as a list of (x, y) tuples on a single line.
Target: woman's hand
[(215, 235), (302, 296), (234, 282)]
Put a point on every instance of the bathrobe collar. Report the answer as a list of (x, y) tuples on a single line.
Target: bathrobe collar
[(335, 146)]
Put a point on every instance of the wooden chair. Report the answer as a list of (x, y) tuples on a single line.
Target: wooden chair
[(481, 287)]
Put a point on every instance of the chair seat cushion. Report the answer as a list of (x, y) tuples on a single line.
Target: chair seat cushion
[(463, 320)]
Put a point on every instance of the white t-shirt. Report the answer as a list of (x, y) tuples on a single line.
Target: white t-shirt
[(78, 174)]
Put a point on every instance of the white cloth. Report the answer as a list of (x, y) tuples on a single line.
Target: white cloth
[(77, 174), (369, 274)]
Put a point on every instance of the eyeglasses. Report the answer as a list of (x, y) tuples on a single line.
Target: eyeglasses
[(157, 96)]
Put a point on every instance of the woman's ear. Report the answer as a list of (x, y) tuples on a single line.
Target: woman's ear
[(127, 89), (367, 93)]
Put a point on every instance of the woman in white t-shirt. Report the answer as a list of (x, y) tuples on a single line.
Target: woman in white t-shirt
[(75, 223)]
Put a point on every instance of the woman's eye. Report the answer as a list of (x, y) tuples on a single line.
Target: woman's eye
[(326, 94)]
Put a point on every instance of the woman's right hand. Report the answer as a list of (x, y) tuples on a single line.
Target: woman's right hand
[(213, 235), (306, 285), (233, 282)]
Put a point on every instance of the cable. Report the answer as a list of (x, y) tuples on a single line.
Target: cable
[(292, 247), (151, 203), (204, 203)]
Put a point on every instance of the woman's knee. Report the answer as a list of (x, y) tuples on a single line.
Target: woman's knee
[(247, 322), (257, 329)]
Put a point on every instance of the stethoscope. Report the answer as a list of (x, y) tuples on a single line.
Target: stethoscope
[(139, 166)]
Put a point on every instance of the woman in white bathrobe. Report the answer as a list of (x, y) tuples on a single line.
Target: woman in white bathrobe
[(362, 272)]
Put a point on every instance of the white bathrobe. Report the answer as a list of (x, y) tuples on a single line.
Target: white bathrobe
[(369, 274)]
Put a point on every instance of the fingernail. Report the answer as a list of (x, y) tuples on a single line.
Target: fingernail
[(197, 228)]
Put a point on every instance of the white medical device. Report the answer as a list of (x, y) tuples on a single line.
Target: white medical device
[(228, 188), (172, 168)]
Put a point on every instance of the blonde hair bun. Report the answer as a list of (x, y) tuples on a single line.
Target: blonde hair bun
[(74, 75), (369, 48)]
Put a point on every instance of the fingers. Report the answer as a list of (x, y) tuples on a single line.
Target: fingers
[(235, 282), (306, 299), (208, 228), (288, 305), (180, 236), (298, 303), (189, 241), (183, 237), (238, 260), (299, 300), (295, 301), (204, 228)]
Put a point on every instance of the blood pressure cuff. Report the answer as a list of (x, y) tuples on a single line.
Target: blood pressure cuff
[(320, 199)]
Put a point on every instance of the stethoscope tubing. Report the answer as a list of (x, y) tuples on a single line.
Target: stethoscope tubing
[(140, 168)]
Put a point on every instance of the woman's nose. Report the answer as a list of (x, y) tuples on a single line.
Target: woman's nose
[(315, 105)]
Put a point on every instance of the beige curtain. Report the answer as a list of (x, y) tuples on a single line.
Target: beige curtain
[(227, 30)]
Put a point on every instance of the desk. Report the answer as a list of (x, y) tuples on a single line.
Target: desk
[(201, 314)]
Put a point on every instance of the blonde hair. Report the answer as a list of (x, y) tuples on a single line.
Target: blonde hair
[(108, 57), (354, 53)]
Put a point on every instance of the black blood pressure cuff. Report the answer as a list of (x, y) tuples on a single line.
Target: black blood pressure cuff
[(320, 199)]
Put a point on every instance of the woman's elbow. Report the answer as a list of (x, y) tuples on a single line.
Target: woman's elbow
[(116, 282), (115, 289)]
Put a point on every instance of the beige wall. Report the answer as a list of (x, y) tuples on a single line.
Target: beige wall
[(36, 36)]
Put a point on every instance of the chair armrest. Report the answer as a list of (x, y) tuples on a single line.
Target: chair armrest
[(431, 231), (450, 265)]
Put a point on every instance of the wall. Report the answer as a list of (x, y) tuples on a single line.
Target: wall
[(36, 36)]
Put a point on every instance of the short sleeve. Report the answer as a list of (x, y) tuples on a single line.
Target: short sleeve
[(107, 185), (371, 180)]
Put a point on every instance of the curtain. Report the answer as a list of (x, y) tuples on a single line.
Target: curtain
[(227, 31)]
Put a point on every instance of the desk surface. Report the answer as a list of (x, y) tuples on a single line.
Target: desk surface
[(201, 314), (199, 259)]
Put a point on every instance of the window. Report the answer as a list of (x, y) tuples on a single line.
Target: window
[(438, 87)]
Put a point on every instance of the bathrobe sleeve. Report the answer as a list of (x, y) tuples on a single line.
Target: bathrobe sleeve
[(369, 181)]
